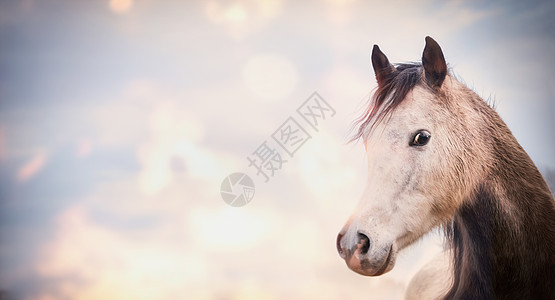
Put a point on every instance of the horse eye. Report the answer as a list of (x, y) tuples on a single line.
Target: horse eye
[(421, 138)]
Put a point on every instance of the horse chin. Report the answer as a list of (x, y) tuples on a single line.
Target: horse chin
[(371, 266)]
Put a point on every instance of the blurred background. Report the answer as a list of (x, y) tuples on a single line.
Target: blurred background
[(119, 119)]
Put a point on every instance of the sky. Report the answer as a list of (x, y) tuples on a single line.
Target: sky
[(120, 119)]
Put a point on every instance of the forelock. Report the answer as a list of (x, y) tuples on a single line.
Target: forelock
[(388, 96)]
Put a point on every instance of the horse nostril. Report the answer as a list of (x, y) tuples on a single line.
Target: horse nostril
[(364, 241), (338, 245)]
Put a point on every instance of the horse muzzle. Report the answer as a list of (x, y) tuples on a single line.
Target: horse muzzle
[(363, 257)]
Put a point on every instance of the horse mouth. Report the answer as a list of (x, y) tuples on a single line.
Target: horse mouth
[(362, 264), (386, 263)]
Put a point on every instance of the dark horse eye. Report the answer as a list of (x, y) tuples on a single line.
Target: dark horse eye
[(421, 138)]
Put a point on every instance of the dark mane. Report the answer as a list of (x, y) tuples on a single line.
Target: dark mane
[(503, 236), (388, 96)]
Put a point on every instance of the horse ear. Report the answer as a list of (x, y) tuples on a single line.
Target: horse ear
[(382, 68), (435, 68)]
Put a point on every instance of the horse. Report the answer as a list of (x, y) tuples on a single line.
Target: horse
[(438, 156)]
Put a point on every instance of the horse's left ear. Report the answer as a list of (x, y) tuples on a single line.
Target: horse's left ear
[(435, 68), (382, 67)]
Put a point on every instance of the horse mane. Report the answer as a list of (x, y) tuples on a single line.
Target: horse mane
[(388, 96), (503, 235)]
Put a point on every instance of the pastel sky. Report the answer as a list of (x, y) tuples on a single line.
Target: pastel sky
[(120, 119)]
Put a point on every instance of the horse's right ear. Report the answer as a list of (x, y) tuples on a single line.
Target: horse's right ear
[(433, 61), (382, 68)]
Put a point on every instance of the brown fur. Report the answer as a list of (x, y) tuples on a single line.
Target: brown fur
[(503, 234)]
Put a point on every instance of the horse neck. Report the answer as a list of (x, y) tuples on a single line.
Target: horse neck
[(503, 235)]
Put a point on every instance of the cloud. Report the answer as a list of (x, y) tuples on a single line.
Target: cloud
[(32, 167), (242, 18), (121, 6), (270, 76), (174, 138), (2, 144), (110, 265)]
